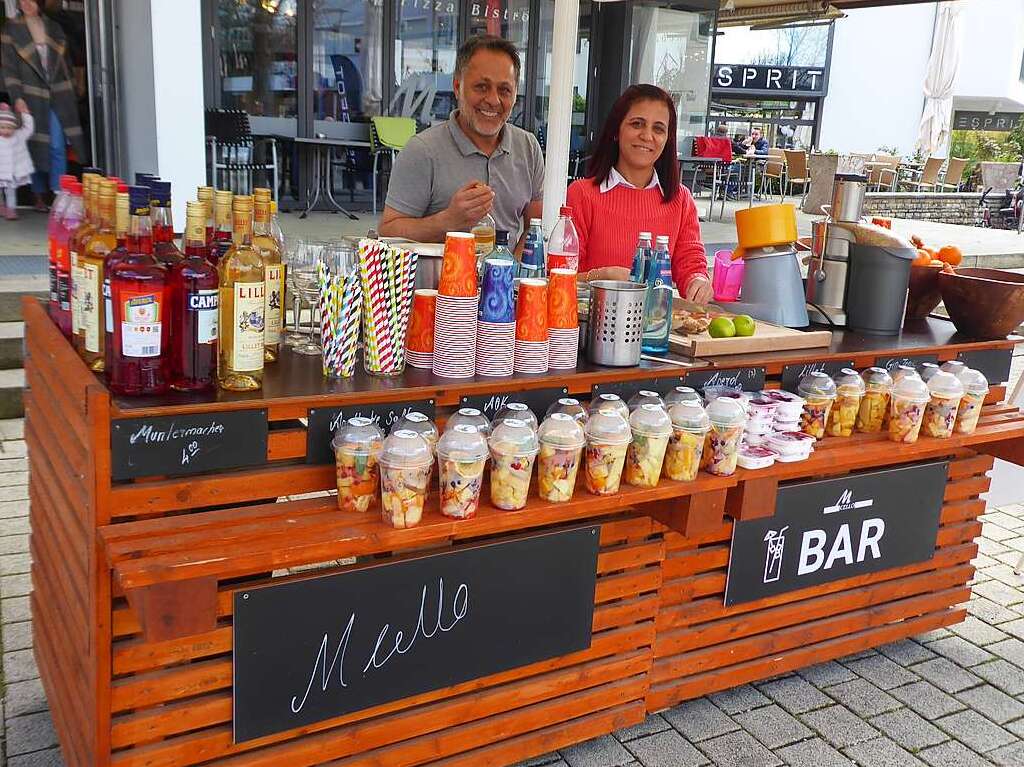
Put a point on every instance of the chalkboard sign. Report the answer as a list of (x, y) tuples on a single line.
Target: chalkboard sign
[(626, 389), (324, 421), (830, 529), (177, 445), (749, 379), (314, 649), (993, 363), (538, 400), (791, 374), (891, 363)]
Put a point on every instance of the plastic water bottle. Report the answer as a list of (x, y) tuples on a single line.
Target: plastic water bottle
[(501, 252), (532, 263), (658, 305), (564, 243), (638, 273)]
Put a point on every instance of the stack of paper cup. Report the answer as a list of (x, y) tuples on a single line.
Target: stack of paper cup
[(531, 347), (496, 330), (419, 342), (455, 317), (563, 320)]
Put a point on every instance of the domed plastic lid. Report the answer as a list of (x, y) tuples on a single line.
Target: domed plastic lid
[(682, 394), (516, 410), (405, 449), (608, 427), (469, 416), (956, 367), (609, 402), (928, 369), (911, 388), (561, 430), (650, 420), (946, 385), (513, 437), (569, 406), (849, 382), (645, 397), (689, 416), (416, 421), (359, 436), (904, 370), (817, 384), (726, 412), (877, 378), (974, 381), (463, 442)]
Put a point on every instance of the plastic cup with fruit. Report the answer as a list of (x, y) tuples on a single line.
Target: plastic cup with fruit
[(513, 447), (419, 423), (819, 393), (608, 438), (651, 428), (561, 441), (469, 416), (406, 461), (645, 397), (875, 403), (682, 394), (940, 413), (357, 447), (571, 407), (975, 390), (519, 412), (907, 405), (850, 390), (461, 455), (727, 418), (690, 426), (608, 403)]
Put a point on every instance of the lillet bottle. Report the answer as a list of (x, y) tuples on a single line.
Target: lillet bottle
[(264, 241), (193, 288), (242, 306), (138, 287), (91, 263)]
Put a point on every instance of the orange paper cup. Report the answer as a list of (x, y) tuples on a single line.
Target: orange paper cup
[(458, 269), (562, 299), (532, 310), (420, 337)]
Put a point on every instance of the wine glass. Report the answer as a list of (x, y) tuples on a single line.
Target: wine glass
[(295, 258), (304, 277)]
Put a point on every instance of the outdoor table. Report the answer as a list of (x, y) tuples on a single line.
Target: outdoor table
[(751, 163), (189, 609), (713, 162), (321, 149)]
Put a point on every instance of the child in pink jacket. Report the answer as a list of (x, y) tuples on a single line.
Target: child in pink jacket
[(15, 162)]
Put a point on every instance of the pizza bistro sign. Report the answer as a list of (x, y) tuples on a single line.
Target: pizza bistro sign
[(831, 529), (750, 77)]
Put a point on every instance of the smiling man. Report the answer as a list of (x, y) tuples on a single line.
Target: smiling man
[(451, 175)]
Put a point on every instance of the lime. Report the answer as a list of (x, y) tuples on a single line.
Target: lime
[(721, 327), (745, 325)]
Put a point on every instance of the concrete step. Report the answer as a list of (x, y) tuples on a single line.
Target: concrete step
[(12, 385), (12, 345), (10, 300)]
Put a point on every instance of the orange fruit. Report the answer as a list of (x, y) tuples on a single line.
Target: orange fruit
[(922, 259), (950, 254)]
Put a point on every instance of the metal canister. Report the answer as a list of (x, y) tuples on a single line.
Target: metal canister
[(848, 192), (616, 322)]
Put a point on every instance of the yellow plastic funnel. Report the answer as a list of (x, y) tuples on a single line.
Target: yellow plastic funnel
[(764, 226)]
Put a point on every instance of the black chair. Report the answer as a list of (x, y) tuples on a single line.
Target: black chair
[(235, 155)]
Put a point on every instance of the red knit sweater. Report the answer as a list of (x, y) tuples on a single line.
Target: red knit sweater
[(609, 226)]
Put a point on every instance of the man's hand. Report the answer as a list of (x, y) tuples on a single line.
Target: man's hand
[(20, 106), (698, 289), (468, 205)]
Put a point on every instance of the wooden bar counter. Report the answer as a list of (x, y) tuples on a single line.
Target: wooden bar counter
[(154, 520)]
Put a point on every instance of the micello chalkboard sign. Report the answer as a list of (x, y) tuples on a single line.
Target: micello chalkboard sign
[(626, 389), (323, 422), (994, 364), (318, 648), (914, 360), (187, 444), (791, 374), (748, 379), (538, 400)]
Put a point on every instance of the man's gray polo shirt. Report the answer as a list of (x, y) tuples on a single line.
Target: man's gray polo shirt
[(436, 163)]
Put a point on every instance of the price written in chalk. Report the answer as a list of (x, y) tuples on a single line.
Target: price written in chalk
[(791, 374), (538, 400), (747, 379), (323, 422)]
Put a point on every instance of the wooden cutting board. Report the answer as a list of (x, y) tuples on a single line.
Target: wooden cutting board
[(768, 337)]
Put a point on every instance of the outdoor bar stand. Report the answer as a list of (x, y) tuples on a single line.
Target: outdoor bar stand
[(176, 577)]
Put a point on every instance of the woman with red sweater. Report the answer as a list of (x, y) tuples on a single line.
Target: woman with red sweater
[(632, 185)]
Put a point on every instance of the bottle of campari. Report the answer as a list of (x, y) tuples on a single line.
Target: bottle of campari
[(193, 289), (138, 288)]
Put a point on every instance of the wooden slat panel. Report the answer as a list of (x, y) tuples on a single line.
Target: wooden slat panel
[(285, 444)]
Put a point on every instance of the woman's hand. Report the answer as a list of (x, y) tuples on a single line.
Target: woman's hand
[(698, 289), (619, 273)]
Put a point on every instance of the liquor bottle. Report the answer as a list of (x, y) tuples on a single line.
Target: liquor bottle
[(658, 306), (138, 288), (70, 222), (222, 235), (641, 257), (275, 227), (91, 264), (243, 284), (122, 217), (564, 242), (483, 233), (193, 290), (263, 240), (533, 263), (60, 204), (205, 195), (164, 249), (77, 242)]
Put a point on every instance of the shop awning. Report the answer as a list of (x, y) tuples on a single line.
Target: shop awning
[(772, 12)]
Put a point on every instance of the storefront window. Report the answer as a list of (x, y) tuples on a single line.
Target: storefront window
[(425, 49), (257, 45), (347, 56), (581, 69)]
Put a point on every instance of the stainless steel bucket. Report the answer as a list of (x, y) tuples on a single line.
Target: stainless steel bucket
[(428, 271), (848, 191), (615, 325)]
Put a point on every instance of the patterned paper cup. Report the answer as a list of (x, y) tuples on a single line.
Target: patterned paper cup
[(562, 312), (420, 337), (458, 268), (532, 310), (497, 304)]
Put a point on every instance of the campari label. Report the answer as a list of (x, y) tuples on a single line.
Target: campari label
[(205, 303)]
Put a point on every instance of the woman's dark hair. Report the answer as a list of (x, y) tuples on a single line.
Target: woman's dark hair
[(606, 151)]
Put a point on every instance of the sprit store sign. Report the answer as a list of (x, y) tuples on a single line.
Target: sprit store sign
[(827, 530)]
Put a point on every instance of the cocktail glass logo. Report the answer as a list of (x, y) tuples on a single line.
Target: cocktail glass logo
[(774, 546), (845, 502)]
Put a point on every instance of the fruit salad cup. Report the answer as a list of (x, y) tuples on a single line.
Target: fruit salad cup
[(469, 416), (608, 438), (975, 390), (645, 397), (513, 445), (419, 423), (874, 405), (518, 411), (357, 447), (682, 394), (571, 407), (850, 390), (727, 418), (609, 402), (940, 413), (819, 393), (561, 440), (406, 463), (690, 427), (461, 457), (651, 428), (907, 405)]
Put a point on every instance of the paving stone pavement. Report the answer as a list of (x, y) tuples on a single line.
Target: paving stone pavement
[(949, 698)]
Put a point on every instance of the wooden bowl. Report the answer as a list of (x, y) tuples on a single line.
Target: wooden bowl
[(983, 303), (924, 293)]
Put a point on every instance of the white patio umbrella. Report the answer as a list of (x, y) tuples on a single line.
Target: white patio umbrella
[(934, 132)]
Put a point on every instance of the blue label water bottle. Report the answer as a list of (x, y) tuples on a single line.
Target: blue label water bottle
[(658, 305), (533, 262), (641, 257)]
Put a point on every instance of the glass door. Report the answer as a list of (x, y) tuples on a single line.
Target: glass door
[(425, 45)]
